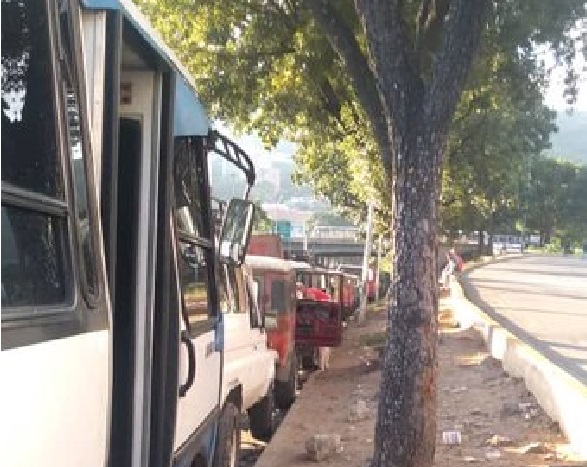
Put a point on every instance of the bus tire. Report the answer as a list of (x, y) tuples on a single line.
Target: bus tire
[(261, 420), (285, 391), (227, 450)]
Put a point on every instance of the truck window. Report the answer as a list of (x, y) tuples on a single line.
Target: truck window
[(35, 257), (195, 247), (193, 272), (223, 297), (236, 289), (278, 296)]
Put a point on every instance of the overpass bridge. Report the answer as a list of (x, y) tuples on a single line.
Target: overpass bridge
[(327, 251)]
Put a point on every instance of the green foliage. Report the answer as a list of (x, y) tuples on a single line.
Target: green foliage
[(261, 222), (554, 246), (266, 66), (556, 200)]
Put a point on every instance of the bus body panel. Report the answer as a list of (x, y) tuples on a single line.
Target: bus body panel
[(67, 425)]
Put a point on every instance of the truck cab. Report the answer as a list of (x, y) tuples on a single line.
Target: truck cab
[(249, 364)]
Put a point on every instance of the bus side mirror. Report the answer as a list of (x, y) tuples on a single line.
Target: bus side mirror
[(236, 230)]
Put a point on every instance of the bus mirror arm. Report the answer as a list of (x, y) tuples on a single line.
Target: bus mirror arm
[(185, 339)]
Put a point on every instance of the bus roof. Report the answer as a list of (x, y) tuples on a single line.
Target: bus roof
[(190, 117)]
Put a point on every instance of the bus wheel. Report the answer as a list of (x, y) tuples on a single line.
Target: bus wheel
[(262, 421), (285, 391), (227, 451)]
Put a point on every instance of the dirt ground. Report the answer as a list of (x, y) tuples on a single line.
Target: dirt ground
[(476, 398)]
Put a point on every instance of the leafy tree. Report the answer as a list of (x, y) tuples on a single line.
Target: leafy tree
[(556, 203), (369, 86), (488, 156), (261, 221)]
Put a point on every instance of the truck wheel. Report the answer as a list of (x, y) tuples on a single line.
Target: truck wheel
[(227, 450), (285, 391), (261, 417)]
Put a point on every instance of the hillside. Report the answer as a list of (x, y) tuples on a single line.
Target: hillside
[(570, 142)]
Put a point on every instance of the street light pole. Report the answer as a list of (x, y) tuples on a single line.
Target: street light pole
[(362, 311), (379, 247)]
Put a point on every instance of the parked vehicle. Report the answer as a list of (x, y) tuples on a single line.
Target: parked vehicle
[(249, 364), (350, 294), (112, 340), (275, 283), (319, 313), (370, 286)]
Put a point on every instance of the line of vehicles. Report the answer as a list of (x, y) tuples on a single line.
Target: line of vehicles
[(136, 329)]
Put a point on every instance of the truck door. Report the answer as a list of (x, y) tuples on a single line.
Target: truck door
[(198, 405)]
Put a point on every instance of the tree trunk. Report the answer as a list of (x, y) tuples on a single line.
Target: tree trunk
[(491, 230), (406, 425), (480, 242)]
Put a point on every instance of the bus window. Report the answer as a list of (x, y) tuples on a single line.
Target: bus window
[(77, 151), (35, 263)]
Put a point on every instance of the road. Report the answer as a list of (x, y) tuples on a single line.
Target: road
[(541, 299)]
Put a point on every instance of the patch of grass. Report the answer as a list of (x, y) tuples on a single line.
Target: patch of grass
[(374, 339)]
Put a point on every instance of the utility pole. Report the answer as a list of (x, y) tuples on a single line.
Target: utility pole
[(379, 247), (362, 311)]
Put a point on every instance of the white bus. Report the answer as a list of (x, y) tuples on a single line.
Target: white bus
[(111, 335)]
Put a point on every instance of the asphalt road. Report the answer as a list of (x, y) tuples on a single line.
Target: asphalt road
[(541, 299)]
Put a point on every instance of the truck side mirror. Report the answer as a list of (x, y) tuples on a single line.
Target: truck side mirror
[(236, 230)]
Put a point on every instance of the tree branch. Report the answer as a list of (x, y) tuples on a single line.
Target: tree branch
[(392, 56), (344, 43), (460, 42)]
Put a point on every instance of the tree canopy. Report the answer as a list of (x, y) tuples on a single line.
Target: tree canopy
[(266, 66)]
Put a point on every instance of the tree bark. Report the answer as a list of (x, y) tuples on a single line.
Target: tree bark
[(406, 424), (417, 117)]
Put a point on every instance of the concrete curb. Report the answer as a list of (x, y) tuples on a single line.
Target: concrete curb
[(563, 397)]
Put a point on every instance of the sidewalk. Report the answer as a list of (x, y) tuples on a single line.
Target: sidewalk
[(475, 397)]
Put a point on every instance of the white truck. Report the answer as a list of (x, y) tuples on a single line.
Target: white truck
[(249, 365)]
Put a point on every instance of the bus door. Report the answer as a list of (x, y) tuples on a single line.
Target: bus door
[(55, 394), (132, 172)]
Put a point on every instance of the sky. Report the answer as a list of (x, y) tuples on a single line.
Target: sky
[(554, 95)]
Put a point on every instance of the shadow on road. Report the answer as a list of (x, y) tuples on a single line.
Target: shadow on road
[(569, 364)]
